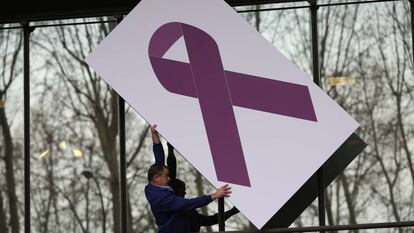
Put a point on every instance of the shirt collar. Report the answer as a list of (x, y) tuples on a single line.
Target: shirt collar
[(163, 186)]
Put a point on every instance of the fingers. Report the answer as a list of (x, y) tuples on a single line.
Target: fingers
[(225, 191), (226, 188), (153, 128)]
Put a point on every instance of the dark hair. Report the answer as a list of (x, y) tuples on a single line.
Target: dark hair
[(155, 170), (178, 186)]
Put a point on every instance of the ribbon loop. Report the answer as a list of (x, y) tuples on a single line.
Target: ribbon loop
[(218, 90)]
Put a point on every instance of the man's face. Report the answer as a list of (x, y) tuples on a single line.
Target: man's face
[(164, 178)]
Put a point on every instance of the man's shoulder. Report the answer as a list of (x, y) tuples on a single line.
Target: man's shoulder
[(151, 190), (155, 187), (158, 195), (149, 186)]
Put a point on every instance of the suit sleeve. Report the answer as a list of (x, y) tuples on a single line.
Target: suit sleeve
[(210, 220), (172, 164), (158, 153), (173, 203), (207, 220)]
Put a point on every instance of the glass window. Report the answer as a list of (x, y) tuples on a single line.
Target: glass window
[(11, 130), (366, 67), (75, 178)]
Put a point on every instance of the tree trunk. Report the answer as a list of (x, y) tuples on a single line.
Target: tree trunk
[(390, 185), (404, 137), (56, 211), (50, 176), (349, 201), (3, 220), (116, 210), (87, 205), (329, 205), (130, 225), (10, 180), (107, 132)]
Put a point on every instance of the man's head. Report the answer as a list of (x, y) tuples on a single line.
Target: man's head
[(158, 175), (179, 187)]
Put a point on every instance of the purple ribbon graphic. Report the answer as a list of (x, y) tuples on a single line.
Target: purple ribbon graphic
[(218, 90)]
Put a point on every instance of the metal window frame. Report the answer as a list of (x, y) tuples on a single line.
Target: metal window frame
[(313, 10)]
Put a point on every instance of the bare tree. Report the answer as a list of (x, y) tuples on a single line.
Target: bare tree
[(11, 44), (3, 220), (93, 99), (88, 114)]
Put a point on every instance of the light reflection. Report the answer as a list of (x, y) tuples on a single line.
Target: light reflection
[(77, 153), (341, 81), (43, 154), (63, 145)]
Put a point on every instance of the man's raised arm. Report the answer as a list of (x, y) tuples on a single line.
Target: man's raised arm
[(171, 162), (157, 146), (175, 203)]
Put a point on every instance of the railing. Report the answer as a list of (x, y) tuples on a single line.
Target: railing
[(334, 228)]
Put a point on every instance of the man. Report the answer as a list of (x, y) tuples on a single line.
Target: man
[(171, 212), (195, 220)]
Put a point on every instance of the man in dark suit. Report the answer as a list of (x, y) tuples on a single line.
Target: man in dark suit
[(172, 212)]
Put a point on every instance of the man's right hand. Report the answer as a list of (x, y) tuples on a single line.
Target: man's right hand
[(154, 134), (223, 191), (153, 128)]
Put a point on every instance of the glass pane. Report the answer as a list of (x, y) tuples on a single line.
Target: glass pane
[(74, 165), (11, 130), (367, 67), (287, 30), (139, 158)]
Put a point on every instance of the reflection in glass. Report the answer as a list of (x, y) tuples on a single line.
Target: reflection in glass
[(11, 131), (366, 66), (75, 177)]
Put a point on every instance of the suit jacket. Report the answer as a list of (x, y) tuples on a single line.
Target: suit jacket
[(189, 220), (173, 213)]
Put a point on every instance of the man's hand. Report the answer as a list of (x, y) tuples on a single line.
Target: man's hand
[(153, 128), (154, 134), (223, 191)]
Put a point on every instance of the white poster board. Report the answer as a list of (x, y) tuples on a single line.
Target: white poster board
[(280, 150)]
